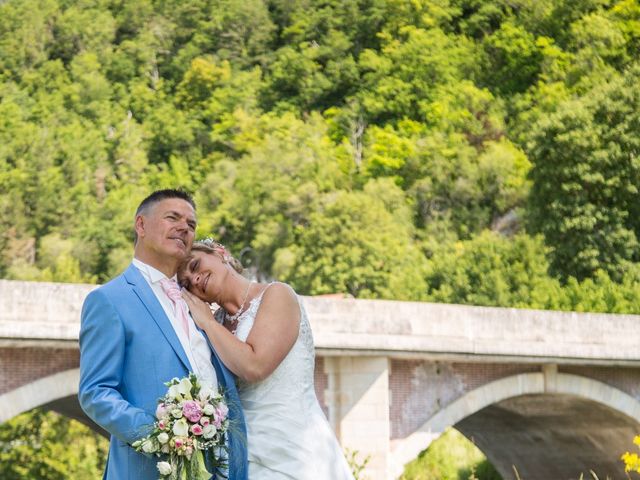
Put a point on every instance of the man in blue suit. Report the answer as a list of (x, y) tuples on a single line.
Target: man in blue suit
[(133, 339)]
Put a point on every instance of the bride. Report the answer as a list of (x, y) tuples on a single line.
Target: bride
[(262, 334)]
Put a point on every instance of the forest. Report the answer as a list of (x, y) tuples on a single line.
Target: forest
[(481, 152), (464, 151)]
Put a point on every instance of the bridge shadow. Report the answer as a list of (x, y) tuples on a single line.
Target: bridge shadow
[(551, 436), (550, 427), (70, 408)]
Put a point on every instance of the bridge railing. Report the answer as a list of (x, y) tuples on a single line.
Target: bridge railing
[(37, 312)]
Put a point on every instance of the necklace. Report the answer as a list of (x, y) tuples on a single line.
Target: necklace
[(235, 316)]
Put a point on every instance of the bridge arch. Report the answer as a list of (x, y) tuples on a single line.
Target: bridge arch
[(38, 393), (549, 383), (57, 392)]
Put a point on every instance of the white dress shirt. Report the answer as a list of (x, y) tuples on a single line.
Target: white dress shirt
[(194, 345)]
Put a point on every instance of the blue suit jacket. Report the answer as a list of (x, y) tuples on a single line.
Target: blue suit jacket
[(128, 350)]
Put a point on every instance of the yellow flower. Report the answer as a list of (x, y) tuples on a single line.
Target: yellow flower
[(631, 462)]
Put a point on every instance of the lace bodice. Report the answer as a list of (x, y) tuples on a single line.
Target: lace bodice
[(296, 370)]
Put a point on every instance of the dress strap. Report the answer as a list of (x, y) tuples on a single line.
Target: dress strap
[(259, 297)]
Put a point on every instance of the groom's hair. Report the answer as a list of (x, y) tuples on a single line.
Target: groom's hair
[(158, 196)]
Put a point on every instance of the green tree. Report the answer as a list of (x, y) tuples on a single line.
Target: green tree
[(585, 180), (315, 64), (357, 243), (603, 294), (240, 31), (257, 200), (514, 58), (25, 33), (493, 270), (43, 445), (401, 78)]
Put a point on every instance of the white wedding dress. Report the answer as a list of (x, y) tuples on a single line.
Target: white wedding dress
[(288, 434)]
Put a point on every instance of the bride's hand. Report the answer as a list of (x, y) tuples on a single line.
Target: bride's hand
[(200, 311)]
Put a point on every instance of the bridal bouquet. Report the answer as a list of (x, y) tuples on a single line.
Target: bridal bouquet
[(192, 419)]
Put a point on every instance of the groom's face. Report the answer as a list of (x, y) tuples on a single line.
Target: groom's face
[(167, 228)]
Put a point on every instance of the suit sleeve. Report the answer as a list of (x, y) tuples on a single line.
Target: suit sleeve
[(102, 353)]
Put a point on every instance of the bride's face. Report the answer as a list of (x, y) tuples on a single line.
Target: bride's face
[(204, 275)]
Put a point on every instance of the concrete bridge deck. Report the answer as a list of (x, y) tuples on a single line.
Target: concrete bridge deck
[(34, 312)]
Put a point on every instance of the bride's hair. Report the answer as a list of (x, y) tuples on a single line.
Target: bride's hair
[(209, 245)]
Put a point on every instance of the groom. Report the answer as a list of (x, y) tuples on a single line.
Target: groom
[(135, 335)]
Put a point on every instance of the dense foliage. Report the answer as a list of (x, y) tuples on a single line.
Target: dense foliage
[(44, 445), (381, 148)]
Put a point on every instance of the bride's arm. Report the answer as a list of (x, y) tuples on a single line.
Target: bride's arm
[(274, 332)]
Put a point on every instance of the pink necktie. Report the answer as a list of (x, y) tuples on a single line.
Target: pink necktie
[(172, 290)]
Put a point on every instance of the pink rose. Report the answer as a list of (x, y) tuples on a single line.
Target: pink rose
[(162, 425), (161, 411), (220, 413), (179, 442), (204, 421), (196, 429), (192, 411)]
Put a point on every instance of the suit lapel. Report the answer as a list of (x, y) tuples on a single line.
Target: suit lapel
[(142, 289)]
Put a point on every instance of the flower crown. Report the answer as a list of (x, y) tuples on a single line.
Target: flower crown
[(217, 247)]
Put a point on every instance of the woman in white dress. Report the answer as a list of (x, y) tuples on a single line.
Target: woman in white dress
[(262, 333)]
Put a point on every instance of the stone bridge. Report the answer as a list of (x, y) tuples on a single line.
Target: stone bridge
[(554, 394)]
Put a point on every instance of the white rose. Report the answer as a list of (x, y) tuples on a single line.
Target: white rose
[(184, 387), (149, 446), (209, 431), (176, 413), (208, 409), (164, 468), (163, 437), (206, 392), (181, 428), (173, 392)]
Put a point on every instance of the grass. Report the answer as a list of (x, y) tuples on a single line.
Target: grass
[(451, 457)]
